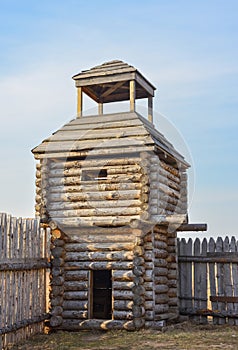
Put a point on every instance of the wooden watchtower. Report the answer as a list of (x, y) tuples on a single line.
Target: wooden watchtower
[(114, 191)]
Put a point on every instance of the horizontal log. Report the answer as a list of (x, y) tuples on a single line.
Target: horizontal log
[(102, 325), (57, 180), (24, 323), (123, 295), (161, 309), (75, 285), (122, 211), (99, 265), (210, 259), (172, 274), (77, 275), (123, 150), (94, 247), (99, 256), (97, 205), (122, 275), (95, 187), (161, 280), (95, 162), (172, 292), (122, 285), (160, 253), (160, 244), (122, 305), (160, 263), (173, 302), (74, 222), (161, 298), (170, 168), (122, 315), (95, 196), (111, 170), (24, 264), (75, 314), (192, 227), (101, 236), (161, 271), (169, 182), (76, 295), (75, 305), (161, 288)]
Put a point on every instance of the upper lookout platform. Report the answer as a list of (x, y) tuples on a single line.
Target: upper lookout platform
[(114, 81)]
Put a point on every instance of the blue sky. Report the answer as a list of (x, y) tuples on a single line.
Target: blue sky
[(188, 50)]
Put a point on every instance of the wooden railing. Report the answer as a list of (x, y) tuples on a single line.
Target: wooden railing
[(24, 264), (208, 279)]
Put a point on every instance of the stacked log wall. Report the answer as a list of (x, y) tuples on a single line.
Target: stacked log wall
[(168, 188), (64, 195), (77, 257)]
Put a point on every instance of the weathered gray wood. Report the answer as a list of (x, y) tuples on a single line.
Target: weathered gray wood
[(204, 296), (23, 269), (220, 279), (227, 281), (197, 280), (212, 278), (234, 268)]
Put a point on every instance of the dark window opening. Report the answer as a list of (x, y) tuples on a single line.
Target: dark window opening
[(102, 294), (92, 175)]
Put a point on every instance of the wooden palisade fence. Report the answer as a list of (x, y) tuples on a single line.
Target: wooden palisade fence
[(208, 277), (23, 278)]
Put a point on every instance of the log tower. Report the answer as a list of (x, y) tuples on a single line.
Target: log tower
[(113, 190)]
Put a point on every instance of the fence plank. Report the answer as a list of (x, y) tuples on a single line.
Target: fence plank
[(212, 278), (203, 269), (197, 280), (217, 295), (220, 280), (235, 277), (23, 267), (227, 281)]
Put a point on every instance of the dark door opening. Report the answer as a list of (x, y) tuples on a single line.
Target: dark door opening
[(102, 294)]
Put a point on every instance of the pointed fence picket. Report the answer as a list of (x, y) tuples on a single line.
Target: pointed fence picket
[(208, 279)]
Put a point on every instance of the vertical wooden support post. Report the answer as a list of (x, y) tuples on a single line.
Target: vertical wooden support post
[(100, 108), (90, 294), (150, 109), (80, 102), (132, 95)]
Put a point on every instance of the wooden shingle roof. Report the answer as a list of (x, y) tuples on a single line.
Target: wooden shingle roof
[(117, 133), (109, 82)]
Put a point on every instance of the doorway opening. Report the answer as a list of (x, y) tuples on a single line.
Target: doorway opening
[(102, 294)]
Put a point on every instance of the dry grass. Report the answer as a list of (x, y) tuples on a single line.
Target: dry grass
[(180, 337)]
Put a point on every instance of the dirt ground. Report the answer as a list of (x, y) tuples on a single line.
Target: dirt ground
[(185, 336)]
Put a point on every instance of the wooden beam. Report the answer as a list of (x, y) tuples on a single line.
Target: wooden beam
[(80, 102), (192, 227), (112, 89), (132, 95), (100, 108), (150, 109)]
